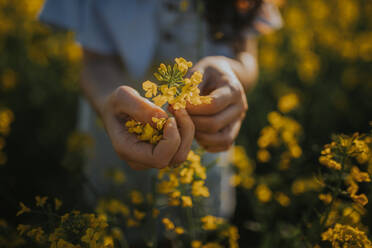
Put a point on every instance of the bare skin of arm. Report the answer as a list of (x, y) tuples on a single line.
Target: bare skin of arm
[(225, 80), (101, 83)]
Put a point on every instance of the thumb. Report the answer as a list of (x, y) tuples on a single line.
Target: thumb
[(127, 101)]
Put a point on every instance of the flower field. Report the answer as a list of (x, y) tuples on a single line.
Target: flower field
[(302, 163)]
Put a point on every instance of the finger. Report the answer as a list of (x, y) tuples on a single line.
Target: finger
[(129, 148), (137, 166), (215, 123), (217, 149), (221, 98), (127, 101), (187, 131), (221, 140), (168, 145)]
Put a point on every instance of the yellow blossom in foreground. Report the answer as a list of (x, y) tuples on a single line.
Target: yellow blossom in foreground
[(23, 228), (326, 198), (347, 236), (40, 201), (24, 209), (361, 199), (352, 214), (359, 176), (150, 88), (186, 201), (198, 189), (168, 224), (182, 64)]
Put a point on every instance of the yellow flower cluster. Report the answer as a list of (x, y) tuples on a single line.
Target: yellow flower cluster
[(132, 215), (169, 225), (288, 102), (146, 132), (174, 88), (190, 174), (346, 236), (211, 222), (244, 168), (283, 129), (327, 157), (263, 193), (74, 230)]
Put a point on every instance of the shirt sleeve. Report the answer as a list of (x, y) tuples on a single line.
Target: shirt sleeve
[(267, 20), (82, 17)]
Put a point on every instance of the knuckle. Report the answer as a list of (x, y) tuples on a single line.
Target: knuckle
[(213, 127), (160, 163), (227, 141)]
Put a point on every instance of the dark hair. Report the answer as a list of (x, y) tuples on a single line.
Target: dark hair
[(227, 19)]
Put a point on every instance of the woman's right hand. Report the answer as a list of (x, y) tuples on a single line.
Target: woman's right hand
[(125, 103)]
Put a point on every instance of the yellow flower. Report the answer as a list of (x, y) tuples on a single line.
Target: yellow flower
[(138, 214), (183, 65), (211, 222), (150, 88), (186, 175), (179, 230), (196, 244), (24, 209), (23, 228), (359, 176), (347, 236), (263, 193), (288, 102), (198, 189), (263, 156), (160, 100), (168, 224), (37, 234), (361, 199), (352, 214), (136, 197), (148, 132), (57, 203), (196, 78), (282, 199), (40, 201), (155, 212), (326, 198), (186, 201), (159, 122), (132, 223)]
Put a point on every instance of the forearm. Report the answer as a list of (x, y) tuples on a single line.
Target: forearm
[(101, 75)]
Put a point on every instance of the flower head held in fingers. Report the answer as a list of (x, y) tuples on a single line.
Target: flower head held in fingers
[(173, 88)]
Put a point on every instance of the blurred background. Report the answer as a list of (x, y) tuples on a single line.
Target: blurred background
[(317, 71)]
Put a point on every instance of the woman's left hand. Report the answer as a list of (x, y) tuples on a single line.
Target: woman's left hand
[(217, 124)]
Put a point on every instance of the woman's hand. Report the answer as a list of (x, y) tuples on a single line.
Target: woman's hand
[(217, 124), (124, 104)]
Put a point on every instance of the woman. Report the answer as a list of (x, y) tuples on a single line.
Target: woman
[(123, 41)]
